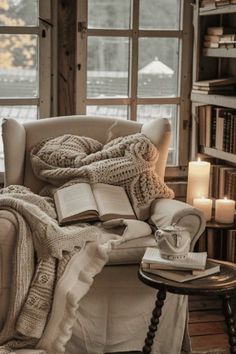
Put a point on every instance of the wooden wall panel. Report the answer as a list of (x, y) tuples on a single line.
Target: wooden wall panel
[(66, 56)]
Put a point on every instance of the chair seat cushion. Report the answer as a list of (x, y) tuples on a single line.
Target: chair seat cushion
[(131, 252)]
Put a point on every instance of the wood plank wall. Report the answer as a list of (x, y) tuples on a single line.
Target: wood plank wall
[(66, 56)]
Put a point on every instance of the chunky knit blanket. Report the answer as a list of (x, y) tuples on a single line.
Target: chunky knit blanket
[(43, 249), (47, 253), (128, 161)]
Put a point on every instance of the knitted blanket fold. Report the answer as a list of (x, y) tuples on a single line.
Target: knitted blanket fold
[(128, 161)]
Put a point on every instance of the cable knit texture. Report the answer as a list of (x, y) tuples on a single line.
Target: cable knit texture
[(128, 161)]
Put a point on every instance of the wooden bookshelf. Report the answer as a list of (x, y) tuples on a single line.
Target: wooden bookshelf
[(220, 52), (227, 9), (214, 63), (218, 100), (218, 154)]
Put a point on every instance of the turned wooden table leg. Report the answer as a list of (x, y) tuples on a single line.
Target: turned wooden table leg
[(156, 313), (229, 318)]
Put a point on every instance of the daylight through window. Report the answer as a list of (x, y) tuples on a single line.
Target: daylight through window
[(24, 68), (131, 64)]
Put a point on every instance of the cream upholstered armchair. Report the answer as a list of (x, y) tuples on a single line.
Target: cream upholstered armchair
[(113, 316)]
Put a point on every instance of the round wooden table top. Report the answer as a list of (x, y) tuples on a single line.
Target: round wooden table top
[(221, 283)]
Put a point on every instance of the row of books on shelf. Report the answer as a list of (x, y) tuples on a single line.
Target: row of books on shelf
[(222, 182), (217, 128), (214, 4), (222, 246), (231, 246), (194, 266), (220, 37)]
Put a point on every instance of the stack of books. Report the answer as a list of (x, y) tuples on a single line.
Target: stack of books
[(194, 266), (222, 86), (217, 128), (214, 4), (222, 182), (220, 37)]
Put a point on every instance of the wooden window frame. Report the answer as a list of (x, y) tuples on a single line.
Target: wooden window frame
[(185, 66), (43, 31)]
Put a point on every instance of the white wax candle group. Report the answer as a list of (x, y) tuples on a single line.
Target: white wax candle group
[(197, 191)]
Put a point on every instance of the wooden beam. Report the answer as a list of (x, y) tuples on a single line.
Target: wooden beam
[(66, 56)]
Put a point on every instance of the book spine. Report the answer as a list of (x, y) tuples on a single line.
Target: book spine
[(213, 128), (234, 133)]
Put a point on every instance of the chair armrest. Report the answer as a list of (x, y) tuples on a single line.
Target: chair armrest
[(8, 236), (166, 212)]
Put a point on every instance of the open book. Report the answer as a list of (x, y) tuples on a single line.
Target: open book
[(183, 276), (152, 259), (98, 201)]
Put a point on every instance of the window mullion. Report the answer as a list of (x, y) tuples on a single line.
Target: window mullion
[(19, 30), (161, 33), (45, 28), (19, 101), (185, 84), (133, 75), (81, 72)]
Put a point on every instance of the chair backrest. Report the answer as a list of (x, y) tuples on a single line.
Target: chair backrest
[(19, 139)]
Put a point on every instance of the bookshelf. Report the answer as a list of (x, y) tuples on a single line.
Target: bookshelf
[(210, 64), (220, 100)]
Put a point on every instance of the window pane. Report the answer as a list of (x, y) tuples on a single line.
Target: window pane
[(108, 60), (154, 15), (19, 13), (108, 111), (22, 113), (109, 14), (147, 113), (18, 65), (158, 67)]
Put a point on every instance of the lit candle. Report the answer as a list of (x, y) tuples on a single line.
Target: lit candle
[(198, 180), (224, 211), (205, 205)]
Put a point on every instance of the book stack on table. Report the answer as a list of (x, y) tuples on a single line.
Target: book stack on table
[(194, 265)]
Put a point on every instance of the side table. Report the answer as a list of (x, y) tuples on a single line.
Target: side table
[(222, 284)]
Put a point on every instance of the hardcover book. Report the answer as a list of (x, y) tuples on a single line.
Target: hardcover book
[(183, 276), (98, 201), (152, 260)]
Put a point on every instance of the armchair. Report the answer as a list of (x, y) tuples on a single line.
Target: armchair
[(113, 316)]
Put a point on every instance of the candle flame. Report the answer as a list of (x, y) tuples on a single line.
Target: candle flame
[(198, 159)]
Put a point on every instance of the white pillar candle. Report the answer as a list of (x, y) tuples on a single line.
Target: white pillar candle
[(205, 205), (198, 180), (224, 211)]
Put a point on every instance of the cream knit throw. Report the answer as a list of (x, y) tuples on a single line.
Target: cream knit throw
[(128, 161), (33, 282)]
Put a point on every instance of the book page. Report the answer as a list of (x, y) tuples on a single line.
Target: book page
[(112, 200), (75, 199)]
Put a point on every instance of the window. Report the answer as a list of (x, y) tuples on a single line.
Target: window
[(25, 31), (133, 63)]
